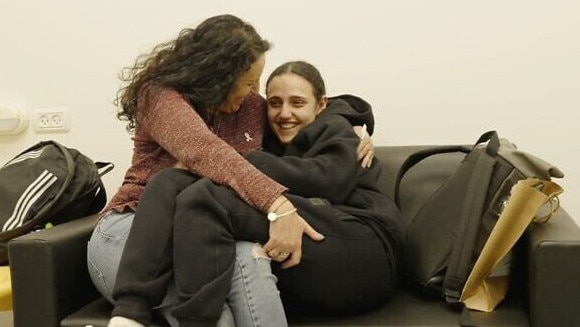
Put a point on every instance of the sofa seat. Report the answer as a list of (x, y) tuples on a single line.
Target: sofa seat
[(405, 309)]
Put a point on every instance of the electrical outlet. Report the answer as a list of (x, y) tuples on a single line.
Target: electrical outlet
[(51, 120)]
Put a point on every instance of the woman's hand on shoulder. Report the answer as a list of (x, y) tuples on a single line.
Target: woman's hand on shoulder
[(365, 148)]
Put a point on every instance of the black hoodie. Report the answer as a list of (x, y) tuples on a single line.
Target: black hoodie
[(321, 162)]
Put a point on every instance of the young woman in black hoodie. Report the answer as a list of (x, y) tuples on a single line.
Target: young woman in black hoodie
[(314, 154), (354, 268)]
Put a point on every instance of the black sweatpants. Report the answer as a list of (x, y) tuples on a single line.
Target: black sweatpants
[(146, 265), (349, 272)]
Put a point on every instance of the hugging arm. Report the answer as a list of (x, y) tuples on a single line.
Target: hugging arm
[(328, 167), (202, 152), (362, 120)]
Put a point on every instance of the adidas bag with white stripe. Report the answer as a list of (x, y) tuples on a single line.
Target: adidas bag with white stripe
[(48, 184)]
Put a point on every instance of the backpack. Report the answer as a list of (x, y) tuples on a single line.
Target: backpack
[(48, 184), (447, 229)]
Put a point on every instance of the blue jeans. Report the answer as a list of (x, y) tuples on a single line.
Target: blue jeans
[(253, 299)]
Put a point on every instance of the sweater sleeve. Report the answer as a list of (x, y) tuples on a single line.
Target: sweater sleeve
[(178, 129)]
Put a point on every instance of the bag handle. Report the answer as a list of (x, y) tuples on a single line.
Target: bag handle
[(492, 148), (493, 143), (553, 191), (417, 157)]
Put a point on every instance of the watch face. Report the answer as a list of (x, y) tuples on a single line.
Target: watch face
[(272, 216)]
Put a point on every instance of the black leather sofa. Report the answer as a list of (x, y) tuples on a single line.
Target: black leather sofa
[(51, 286)]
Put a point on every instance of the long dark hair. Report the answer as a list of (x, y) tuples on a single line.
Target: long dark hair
[(304, 70), (202, 64)]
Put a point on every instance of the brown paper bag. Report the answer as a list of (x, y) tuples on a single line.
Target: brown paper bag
[(485, 288)]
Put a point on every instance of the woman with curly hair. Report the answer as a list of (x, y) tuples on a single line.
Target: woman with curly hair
[(194, 101)]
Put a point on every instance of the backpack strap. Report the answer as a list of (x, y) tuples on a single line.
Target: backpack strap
[(471, 212), (70, 166), (417, 157)]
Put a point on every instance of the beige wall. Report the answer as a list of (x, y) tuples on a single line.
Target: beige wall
[(6, 318), (435, 71)]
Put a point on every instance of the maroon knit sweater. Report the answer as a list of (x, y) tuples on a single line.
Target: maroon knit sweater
[(169, 130)]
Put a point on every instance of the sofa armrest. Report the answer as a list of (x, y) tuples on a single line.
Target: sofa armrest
[(49, 273), (554, 267)]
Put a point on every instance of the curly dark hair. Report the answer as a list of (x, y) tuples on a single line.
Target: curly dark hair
[(202, 64)]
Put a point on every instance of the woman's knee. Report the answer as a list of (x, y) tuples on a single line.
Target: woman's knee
[(105, 248)]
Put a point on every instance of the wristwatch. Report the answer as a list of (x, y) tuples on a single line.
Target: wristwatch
[(272, 216)]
